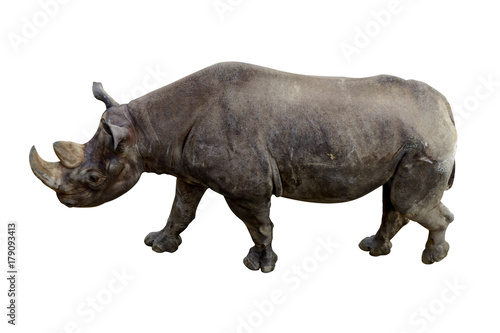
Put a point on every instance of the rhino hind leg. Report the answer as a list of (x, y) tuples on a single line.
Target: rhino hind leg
[(437, 221), (256, 218), (187, 198), (392, 222), (416, 193)]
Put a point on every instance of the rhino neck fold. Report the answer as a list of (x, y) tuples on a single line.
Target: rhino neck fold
[(162, 122)]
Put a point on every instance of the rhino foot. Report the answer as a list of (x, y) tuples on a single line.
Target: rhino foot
[(160, 242), (150, 238), (375, 246), (265, 260), (435, 253)]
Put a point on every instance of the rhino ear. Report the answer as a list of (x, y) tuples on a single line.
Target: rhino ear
[(119, 133), (102, 95)]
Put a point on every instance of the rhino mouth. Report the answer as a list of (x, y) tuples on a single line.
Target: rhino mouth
[(69, 203), (72, 199)]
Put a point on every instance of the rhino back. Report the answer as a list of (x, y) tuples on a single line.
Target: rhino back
[(254, 131)]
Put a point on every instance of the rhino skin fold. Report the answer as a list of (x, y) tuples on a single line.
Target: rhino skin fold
[(249, 132)]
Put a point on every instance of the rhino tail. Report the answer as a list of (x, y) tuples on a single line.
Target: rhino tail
[(452, 177)]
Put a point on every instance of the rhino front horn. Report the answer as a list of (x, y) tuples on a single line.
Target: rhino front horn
[(50, 173), (70, 153), (102, 95)]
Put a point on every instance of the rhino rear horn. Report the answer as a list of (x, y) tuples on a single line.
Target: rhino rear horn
[(102, 95), (71, 154)]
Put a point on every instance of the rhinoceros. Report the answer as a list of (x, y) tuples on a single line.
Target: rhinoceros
[(249, 132)]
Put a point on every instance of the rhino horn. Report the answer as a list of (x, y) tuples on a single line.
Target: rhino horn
[(70, 153), (102, 95), (50, 173)]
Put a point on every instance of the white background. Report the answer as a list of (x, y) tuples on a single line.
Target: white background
[(69, 257)]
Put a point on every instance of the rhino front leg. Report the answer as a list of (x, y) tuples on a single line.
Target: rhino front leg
[(187, 198), (255, 215)]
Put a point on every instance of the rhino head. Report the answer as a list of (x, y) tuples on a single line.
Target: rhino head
[(98, 171)]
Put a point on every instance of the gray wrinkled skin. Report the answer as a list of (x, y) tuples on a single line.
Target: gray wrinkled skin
[(249, 132)]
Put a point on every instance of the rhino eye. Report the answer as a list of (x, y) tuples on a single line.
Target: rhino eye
[(94, 179)]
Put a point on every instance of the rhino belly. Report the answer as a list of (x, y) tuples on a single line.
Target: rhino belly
[(331, 180)]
